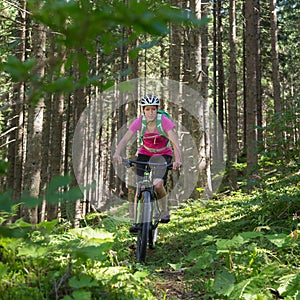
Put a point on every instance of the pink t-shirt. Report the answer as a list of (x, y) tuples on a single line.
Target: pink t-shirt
[(153, 140)]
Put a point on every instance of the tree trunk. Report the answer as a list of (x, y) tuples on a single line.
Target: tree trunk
[(206, 107), (232, 98), (132, 114), (16, 149), (200, 83), (221, 83), (79, 106), (258, 70), (175, 48), (251, 86), (275, 69), (56, 153), (35, 124), (215, 78)]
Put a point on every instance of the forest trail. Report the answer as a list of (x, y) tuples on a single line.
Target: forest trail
[(171, 284), (167, 283), (168, 280)]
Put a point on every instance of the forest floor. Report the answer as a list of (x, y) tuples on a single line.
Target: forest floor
[(239, 245)]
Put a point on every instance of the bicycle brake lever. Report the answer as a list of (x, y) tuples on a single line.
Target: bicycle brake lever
[(170, 166)]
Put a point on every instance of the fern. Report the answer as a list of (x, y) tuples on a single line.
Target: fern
[(224, 283), (251, 288), (289, 285)]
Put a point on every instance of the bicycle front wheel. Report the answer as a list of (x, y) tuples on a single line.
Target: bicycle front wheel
[(143, 236)]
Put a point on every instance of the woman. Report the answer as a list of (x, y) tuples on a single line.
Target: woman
[(155, 146)]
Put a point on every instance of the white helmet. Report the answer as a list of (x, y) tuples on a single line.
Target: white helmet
[(149, 100)]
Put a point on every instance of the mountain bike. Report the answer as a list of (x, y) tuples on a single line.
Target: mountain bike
[(147, 208)]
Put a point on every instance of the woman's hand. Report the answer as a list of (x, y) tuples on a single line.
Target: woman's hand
[(117, 158), (176, 165)]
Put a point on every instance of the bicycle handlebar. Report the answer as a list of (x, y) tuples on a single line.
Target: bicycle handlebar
[(130, 162)]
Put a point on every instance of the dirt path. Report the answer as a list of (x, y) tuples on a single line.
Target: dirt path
[(170, 284)]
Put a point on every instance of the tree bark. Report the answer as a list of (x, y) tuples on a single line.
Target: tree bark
[(35, 123), (199, 56), (275, 68), (221, 83), (79, 105), (258, 70), (251, 86), (16, 149), (232, 98)]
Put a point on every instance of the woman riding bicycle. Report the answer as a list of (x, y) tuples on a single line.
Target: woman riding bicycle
[(156, 147)]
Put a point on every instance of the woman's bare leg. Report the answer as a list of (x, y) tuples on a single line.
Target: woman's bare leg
[(161, 195)]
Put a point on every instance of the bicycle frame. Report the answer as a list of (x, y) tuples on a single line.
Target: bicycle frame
[(145, 209)]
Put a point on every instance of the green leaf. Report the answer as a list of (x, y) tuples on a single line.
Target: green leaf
[(83, 63), (6, 202), (289, 285), (58, 182), (54, 191), (141, 274), (14, 232), (3, 269), (33, 251), (209, 239), (96, 243), (30, 201), (93, 252), (48, 225), (93, 235), (250, 286), (64, 84), (19, 71), (21, 223), (82, 294), (235, 242), (83, 281), (148, 45), (204, 261), (277, 239), (248, 235), (3, 166), (175, 267), (194, 254), (224, 283), (73, 194)]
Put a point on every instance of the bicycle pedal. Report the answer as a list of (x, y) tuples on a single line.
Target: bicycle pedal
[(134, 229)]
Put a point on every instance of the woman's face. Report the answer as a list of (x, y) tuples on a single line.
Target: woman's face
[(150, 112)]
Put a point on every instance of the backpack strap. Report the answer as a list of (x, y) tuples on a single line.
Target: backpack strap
[(158, 126), (143, 128)]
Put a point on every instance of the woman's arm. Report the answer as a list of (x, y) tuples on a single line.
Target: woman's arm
[(122, 144), (172, 135)]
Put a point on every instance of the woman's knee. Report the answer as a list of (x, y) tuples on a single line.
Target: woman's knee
[(159, 184)]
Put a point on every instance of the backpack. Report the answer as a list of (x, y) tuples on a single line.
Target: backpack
[(160, 129)]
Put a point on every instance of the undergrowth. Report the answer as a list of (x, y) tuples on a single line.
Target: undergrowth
[(239, 245)]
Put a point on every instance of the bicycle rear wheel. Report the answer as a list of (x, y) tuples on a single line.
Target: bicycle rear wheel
[(145, 217)]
